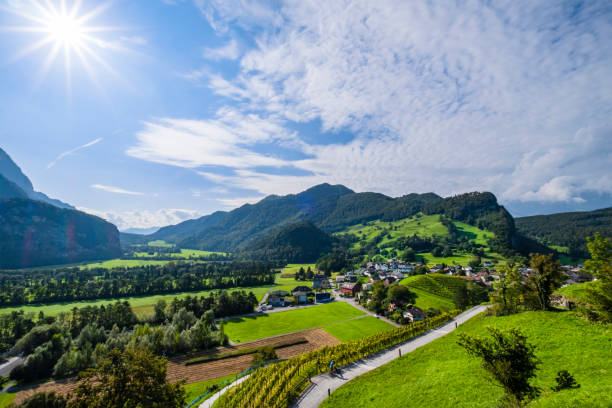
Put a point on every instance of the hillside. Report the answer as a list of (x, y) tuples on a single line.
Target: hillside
[(334, 208), (8, 189), (301, 242), (441, 374), (11, 172), (438, 291), (33, 233), (567, 232)]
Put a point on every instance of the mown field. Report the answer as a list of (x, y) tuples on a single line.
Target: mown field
[(184, 254), (357, 328), (250, 328), (423, 226), (442, 374), (6, 399), (142, 305)]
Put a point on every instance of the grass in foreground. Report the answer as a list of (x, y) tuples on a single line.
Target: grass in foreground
[(6, 399), (245, 329), (441, 374), (196, 389), (357, 328), (140, 304)]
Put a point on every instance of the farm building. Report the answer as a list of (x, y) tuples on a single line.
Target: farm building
[(350, 289)]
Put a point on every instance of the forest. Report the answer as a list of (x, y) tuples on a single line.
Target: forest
[(71, 342), (68, 284)]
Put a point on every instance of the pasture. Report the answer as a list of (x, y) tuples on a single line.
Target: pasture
[(256, 327), (184, 254), (357, 328), (142, 305), (442, 374)]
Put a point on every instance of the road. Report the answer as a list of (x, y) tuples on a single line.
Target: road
[(209, 402), (324, 383), (12, 362)]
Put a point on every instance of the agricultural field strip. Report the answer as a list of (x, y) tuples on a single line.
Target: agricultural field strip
[(316, 394)]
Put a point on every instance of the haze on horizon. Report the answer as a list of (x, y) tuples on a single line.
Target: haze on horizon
[(150, 112)]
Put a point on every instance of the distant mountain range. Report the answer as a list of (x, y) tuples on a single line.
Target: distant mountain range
[(567, 230), (15, 184), (332, 208), (37, 230)]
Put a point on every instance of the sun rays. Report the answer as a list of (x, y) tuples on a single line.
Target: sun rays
[(67, 31)]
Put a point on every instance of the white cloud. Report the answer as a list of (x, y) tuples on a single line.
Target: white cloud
[(115, 190), (232, 203), (226, 141), (229, 51), (72, 151), (514, 98), (144, 218)]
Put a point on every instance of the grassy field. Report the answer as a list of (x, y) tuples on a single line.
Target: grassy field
[(6, 399), (442, 374), (123, 263), (575, 292), (293, 268), (142, 305), (289, 283), (427, 225), (426, 300), (194, 390), (160, 243), (184, 254), (257, 327), (357, 328)]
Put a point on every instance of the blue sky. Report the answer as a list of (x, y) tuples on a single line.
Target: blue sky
[(184, 107)]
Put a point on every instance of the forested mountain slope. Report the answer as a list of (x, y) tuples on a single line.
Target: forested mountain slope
[(34, 233), (567, 230), (333, 208)]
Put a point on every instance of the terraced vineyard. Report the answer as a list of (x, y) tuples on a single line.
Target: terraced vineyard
[(438, 291), (280, 384)]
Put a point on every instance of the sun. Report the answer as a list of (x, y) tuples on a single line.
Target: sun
[(64, 29)]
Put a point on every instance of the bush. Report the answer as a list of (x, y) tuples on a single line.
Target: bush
[(565, 381), (264, 354)]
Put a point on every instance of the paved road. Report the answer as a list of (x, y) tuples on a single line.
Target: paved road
[(12, 362), (318, 392)]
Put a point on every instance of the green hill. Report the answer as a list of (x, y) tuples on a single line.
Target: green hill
[(33, 233), (567, 232), (296, 243), (441, 374), (438, 291)]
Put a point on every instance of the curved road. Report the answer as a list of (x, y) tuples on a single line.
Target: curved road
[(324, 383)]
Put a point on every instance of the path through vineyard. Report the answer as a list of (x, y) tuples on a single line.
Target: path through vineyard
[(324, 383)]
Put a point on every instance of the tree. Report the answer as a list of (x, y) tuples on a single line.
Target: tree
[(264, 354), (509, 359), (44, 400), (400, 294), (408, 255), (475, 262), (599, 294), (565, 381), (461, 297), (135, 378), (547, 277), (506, 299)]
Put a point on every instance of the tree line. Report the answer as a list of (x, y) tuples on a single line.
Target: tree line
[(70, 284)]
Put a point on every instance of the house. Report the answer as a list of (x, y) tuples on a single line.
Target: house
[(323, 297), (388, 280), (276, 298), (414, 314), (301, 294), (368, 286), (350, 288), (339, 278), (320, 282)]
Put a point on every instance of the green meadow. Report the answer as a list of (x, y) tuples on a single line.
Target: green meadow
[(196, 389), (442, 374), (142, 305), (257, 327), (357, 328), (184, 254)]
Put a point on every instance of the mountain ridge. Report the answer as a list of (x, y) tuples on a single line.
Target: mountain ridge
[(11, 172)]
